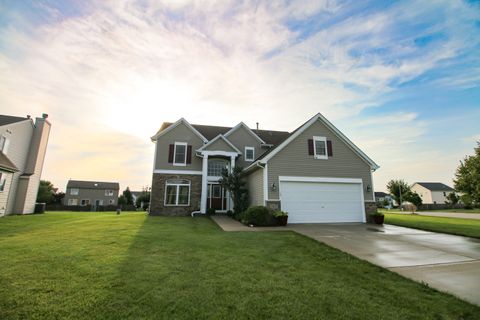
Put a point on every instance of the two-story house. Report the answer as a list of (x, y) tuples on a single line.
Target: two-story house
[(23, 145), (91, 193), (432, 192), (315, 172)]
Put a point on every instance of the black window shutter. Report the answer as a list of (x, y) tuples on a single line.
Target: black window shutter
[(171, 150), (189, 154), (329, 148), (310, 147)]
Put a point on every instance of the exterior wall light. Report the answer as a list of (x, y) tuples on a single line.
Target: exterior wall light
[(274, 187), (369, 188)]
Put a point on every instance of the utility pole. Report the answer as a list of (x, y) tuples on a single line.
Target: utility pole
[(400, 187)]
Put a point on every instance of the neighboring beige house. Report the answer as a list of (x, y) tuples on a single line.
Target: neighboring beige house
[(91, 193), (432, 192), (23, 144), (315, 173)]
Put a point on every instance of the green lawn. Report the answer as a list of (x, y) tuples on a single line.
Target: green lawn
[(104, 266), (463, 227), (474, 211)]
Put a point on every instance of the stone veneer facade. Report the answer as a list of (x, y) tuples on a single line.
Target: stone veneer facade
[(370, 207), (157, 207)]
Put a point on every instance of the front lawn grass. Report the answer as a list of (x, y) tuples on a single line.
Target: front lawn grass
[(104, 266), (462, 227)]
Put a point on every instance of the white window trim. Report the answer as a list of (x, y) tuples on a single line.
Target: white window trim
[(6, 143), (318, 156), (249, 148), (76, 193), (178, 185), (175, 154), (109, 193), (85, 200), (3, 182)]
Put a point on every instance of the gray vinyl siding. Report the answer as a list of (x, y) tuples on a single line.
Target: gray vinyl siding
[(294, 160), (92, 195), (20, 138), (241, 138), (220, 145), (255, 188), (180, 133), (4, 194)]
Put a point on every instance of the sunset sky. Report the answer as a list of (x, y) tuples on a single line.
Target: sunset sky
[(400, 79)]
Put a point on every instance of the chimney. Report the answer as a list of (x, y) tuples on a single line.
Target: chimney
[(257, 126), (28, 116), (44, 115)]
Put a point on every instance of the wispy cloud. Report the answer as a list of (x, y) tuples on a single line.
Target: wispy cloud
[(119, 68)]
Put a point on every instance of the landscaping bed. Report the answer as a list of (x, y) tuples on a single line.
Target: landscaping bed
[(131, 266)]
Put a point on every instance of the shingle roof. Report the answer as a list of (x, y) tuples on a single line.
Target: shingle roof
[(92, 185), (210, 132), (6, 164), (4, 119), (435, 186)]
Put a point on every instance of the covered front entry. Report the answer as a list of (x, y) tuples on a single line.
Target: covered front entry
[(317, 200), (217, 198)]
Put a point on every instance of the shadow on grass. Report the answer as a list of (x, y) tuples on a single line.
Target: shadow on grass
[(184, 268)]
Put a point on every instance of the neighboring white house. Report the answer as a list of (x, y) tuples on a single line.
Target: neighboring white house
[(23, 144), (380, 197), (432, 192)]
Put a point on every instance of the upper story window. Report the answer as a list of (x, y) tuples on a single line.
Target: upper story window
[(74, 191), (4, 142), (320, 147), (249, 153), (216, 166), (180, 154), (109, 193)]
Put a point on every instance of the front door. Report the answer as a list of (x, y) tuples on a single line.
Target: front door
[(216, 197)]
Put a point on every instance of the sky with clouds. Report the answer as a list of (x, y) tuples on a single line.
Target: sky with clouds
[(400, 79)]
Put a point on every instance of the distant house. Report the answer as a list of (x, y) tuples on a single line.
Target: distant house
[(380, 197), (23, 144), (94, 193), (432, 192)]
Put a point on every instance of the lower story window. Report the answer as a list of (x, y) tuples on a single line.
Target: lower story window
[(85, 202), (177, 193), (73, 202)]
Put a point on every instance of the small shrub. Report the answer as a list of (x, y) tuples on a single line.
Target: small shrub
[(211, 211), (258, 216), (376, 213), (229, 213), (280, 213)]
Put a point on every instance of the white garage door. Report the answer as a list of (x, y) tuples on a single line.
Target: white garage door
[(327, 202)]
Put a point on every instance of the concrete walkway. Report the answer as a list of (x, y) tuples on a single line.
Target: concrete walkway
[(446, 262), (229, 224)]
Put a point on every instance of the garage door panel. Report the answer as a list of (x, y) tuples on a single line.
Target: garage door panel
[(311, 202)]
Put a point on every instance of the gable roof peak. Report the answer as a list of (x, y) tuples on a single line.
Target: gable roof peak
[(242, 124), (220, 136)]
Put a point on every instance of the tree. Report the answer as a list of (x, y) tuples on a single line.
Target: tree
[(398, 189), (122, 200), (128, 196), (414, 198), (452, 198), (467, 177), (234, 182), (45, 192), (144, 198)]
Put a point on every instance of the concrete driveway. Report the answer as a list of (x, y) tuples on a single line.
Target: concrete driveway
[(446, 262)]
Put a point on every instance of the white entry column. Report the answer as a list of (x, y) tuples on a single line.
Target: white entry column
[(203, 199)]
